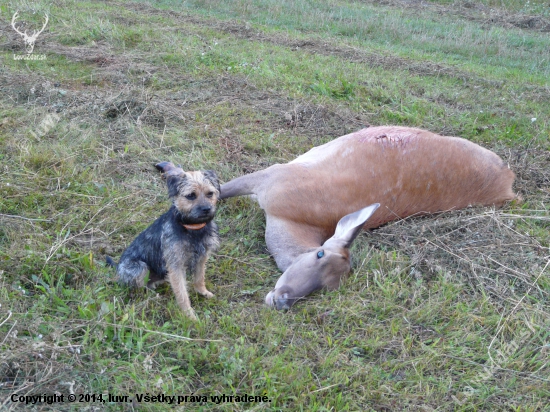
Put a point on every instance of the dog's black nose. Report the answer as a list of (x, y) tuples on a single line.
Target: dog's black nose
[(205, 209)]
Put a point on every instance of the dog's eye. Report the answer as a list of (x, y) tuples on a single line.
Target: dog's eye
[(320, 254), (210, 194), (191, 196)]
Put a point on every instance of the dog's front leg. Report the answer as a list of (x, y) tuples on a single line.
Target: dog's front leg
[(198, 281), (178, 282)]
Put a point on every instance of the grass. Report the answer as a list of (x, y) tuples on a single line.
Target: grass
[(449, 312), (406, 32)]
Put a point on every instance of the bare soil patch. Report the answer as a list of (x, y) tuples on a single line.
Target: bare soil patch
[(482, 247), (474, 11)]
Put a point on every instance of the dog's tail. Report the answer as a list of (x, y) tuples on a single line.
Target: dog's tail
[(110, 261)]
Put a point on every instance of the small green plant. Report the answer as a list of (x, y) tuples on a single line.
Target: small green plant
[(342, 90)]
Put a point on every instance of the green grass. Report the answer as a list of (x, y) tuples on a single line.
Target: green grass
[(405, 32), (442, 313)]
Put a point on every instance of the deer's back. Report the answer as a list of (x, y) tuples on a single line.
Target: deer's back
[(408, 171)]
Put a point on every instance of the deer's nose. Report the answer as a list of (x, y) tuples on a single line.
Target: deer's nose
[(283, 302), (269, 299)]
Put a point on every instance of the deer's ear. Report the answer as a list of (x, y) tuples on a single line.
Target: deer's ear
[(350, 225)]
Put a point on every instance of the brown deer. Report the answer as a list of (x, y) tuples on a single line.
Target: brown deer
[(318, 203)]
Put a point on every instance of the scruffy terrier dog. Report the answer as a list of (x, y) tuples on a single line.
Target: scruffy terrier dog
[(179, 242)]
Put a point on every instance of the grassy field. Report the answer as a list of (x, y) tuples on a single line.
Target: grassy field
[(443, 313)]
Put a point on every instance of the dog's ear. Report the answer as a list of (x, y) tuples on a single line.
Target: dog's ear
[(174, 176), (163, 165), (168, 169), (213, 178), (174, 183)]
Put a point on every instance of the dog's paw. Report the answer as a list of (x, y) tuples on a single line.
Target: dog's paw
[(201, 290), (152, 284), (190, 313), (206, 293)]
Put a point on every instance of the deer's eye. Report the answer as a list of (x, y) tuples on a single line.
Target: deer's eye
[(320, 254)]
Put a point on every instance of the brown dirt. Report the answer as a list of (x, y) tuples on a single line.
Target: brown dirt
[(483, 247), (474, 11), (120, 96)]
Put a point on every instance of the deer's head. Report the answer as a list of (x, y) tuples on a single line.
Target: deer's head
[(321, 267)]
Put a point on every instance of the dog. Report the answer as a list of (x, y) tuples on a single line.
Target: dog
[(318, 203), (180, 241)]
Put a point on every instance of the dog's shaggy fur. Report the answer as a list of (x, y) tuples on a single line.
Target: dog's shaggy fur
[(179, 242)]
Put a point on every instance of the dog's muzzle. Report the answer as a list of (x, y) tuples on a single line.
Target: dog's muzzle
[(202, 213)]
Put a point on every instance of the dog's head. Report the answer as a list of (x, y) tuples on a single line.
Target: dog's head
[(194, 194)]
